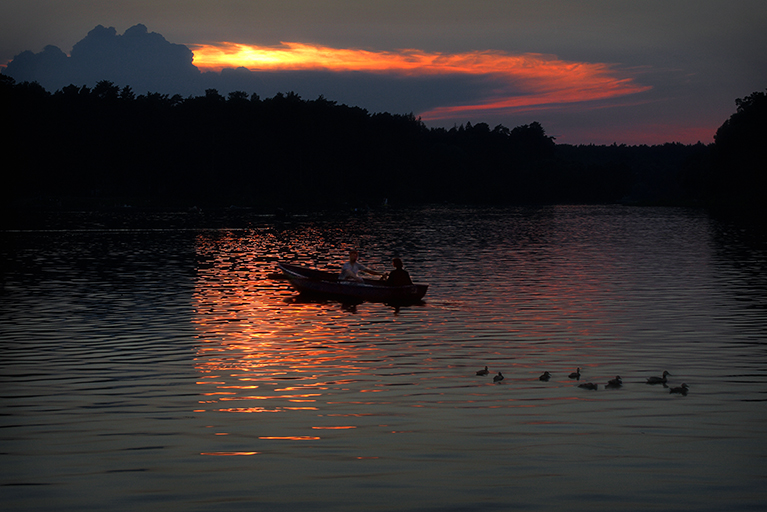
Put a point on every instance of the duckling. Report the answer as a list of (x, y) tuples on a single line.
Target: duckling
[(545, 376), (498, 378), (589, 385), (658, 380), (576, 374), (682, 390), (483, 372), (614, 383)]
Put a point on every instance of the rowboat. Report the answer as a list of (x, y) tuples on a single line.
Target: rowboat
[(317, 282)]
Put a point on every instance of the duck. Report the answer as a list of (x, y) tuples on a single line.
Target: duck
[(589, 385), (576, 374), (545, 376), (483, 372), (681, 390), (614, 383), (498, 378), (658, 380)]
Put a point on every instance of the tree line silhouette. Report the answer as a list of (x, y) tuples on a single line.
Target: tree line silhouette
[(107, 145)]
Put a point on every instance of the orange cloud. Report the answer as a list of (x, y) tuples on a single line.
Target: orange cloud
[(516, 81)]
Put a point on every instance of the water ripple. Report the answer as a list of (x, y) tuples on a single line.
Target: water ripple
[(173, 368)]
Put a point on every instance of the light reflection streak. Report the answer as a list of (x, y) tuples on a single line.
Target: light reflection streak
[(514, 82), (251, 339), (254, 397), (228, 454), (290, 438), (249, 409)]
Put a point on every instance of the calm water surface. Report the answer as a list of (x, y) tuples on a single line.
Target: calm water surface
[(166, 368)]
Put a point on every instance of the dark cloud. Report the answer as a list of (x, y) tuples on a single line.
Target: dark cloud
[(374, 92), (49, 68), (139, 58)]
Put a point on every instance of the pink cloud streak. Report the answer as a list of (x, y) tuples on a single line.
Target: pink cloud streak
[(514, 82)]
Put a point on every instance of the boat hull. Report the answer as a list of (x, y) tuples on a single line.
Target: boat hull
[(316, 282)]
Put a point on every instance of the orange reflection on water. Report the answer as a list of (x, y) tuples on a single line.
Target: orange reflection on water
[(291, 438), (253, 397), (249, 409), (253, 338), (228, 454)]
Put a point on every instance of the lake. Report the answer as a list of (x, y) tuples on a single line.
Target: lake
[(156, 361)]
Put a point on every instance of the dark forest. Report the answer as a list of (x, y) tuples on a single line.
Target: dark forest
[(106, 146)]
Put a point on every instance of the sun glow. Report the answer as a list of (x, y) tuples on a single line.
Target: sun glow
[(514, 81)]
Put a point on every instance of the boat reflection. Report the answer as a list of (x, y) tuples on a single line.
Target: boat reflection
[(348, 305)]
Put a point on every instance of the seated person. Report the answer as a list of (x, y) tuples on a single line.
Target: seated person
[(398, 276), (352, 268)]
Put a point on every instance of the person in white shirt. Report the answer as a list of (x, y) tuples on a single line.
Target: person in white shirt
[(352, 268)]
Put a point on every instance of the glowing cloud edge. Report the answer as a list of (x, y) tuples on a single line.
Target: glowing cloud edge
[(524, 81)]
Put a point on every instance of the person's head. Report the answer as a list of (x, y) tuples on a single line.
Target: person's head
[(353, 254), (397, 263)]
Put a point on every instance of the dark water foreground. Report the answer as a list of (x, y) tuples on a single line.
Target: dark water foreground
[(165, 369)]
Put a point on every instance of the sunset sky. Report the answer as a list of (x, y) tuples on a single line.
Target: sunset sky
[(589, 71)]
